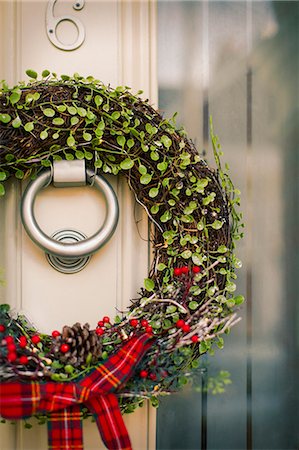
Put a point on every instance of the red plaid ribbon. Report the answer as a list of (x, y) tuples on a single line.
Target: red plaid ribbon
[(95, 391)]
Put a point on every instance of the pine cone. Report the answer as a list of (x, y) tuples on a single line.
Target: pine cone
[(82, 343)]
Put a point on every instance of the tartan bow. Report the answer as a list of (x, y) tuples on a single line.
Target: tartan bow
[(62, 400)]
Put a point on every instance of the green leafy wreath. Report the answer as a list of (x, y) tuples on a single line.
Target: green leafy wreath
[(188, 300)]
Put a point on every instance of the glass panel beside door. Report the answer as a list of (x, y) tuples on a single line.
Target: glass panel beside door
[(239, 62)]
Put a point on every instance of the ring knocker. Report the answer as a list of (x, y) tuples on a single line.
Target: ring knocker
[(67, 250)]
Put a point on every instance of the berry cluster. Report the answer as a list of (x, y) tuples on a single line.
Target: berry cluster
[(15, 346), (64, 348), (181, 324), (143, 324), (178, 271), (100, 330)]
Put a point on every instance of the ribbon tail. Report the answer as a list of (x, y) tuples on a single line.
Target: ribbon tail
[(106, 411), (65, 429)]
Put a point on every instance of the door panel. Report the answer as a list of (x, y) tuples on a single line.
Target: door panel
[(117, 53)]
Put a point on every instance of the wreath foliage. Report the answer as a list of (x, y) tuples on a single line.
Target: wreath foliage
[(188, 299)]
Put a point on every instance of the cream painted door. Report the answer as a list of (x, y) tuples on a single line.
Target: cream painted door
[(118, 49)]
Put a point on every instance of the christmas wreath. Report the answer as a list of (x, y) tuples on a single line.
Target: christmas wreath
[(188, 299)]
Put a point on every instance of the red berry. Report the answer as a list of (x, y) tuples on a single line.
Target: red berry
[(143, 373), (196, 269), (144, 323), (186, 328), (194, 338), (64, 348), (35, 339), (180, 323), (177, 271), (185, 269), (153, 376), (100, 331), (9, 339), (23, 342), (55, 334), (12, 356), (11, 348), (134, 323), (23, 359), (106, 319), (2, 328), (100, 323), (149, 329)]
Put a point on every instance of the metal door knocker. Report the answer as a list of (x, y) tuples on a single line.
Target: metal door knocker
[(69, 251)]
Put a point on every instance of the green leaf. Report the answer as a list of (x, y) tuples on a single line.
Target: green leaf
[(82, 112), (45, 73), (127, 164), (115, 115), (154, 156), (88, 155), (16, 123), (74, 120), (61, 108), (130, 143), (142, 169), (43, 135), (162, 166), (121, 140), (15, 96), (71, 141), (155, 209), (2, 190), (166, 216), (193, 305), (31, 73), (187, 218), (49, 112), (98, 163), (2, 176), (58, 121), (65, 77), (222, 249), (171, 309), (29, 126), (239, 299), (166, 141), (209, 199), (161, 267), (55, 135), (197, 259), (87, 136), (98, 100), (69, 368), (72, 110), (46, 163), (167, 324), (146, 178), (19, 174), (186, 254), (153, 192), (217, 224), (79, 154), (149, 284), (5, 118), (200, 226)]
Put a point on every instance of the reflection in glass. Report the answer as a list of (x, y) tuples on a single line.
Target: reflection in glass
[(239, 61)]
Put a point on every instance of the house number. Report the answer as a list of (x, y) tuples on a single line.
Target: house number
[(53, 21)]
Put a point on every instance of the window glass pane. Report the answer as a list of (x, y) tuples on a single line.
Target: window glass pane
[(239, 62)]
